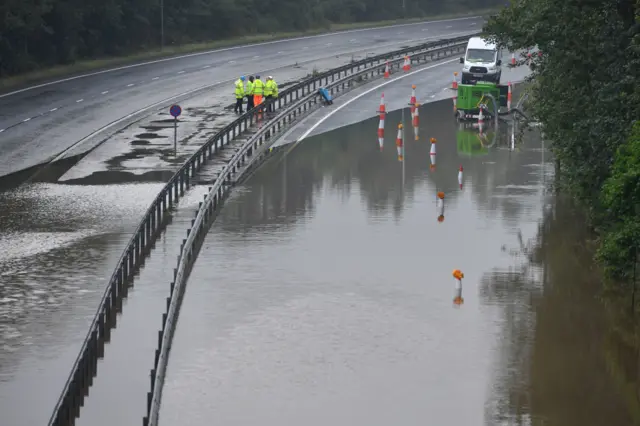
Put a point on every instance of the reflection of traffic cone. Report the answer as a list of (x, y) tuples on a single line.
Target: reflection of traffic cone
[(413, 100), (455, 103), (416, 120), (381, 132), (387, 71), (509, 98), (407, 63), (458, 276), (383, 108), (480, 120), (433, 147), (432, 167), (460, 177), (440, 206), (454, 86), (399, 143)]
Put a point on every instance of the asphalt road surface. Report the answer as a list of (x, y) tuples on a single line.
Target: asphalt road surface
[(41, 122)]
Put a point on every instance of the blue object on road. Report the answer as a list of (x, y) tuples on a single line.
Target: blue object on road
[(326, 96), (175, 111)]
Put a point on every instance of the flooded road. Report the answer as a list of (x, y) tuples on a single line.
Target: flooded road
[(324, 292)]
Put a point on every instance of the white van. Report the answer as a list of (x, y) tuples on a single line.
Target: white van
[(482, 62)]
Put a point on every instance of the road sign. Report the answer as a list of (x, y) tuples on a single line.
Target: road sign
[(175, 111)]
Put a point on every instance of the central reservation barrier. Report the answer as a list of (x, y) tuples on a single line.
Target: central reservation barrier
[(290, 105)]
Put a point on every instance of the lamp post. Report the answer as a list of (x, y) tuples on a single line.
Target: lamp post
[(161, 24)]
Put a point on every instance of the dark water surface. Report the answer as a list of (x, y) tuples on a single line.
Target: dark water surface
[(324, 292)]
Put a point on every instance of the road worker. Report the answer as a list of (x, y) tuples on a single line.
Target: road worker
[(249, 93), (239, 94), (271, 92), (258, 90)]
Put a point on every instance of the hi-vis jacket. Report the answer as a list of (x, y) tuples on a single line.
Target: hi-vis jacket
[(239, 89), (258, 87), (249, 91), (271, 88)]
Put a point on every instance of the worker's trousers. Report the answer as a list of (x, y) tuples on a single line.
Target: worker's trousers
[(238, 107), (270, 99), (250, 102)]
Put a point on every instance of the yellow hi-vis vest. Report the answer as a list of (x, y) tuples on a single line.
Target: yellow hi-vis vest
[(239, 89), (249, 90), (274, 88), (258, 87)]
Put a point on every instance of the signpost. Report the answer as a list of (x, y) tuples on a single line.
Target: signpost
[(175, 112)]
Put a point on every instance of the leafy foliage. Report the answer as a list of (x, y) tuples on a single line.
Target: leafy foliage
[(35, 33), (586, 94)]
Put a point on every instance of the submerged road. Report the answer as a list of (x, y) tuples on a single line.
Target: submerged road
[(38, 124), (61, 243), (323, 293)]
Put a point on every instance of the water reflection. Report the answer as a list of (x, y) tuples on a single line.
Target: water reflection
[(334, 304)]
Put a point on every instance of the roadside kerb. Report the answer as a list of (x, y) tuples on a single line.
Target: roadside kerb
[(155, 219), (244, 157)]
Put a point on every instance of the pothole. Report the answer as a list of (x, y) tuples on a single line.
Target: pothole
[(150, 136)]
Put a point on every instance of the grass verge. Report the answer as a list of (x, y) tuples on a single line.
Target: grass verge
[(92, 65)]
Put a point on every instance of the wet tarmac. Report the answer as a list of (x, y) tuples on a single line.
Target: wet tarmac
[(324, 291), (41, 123)]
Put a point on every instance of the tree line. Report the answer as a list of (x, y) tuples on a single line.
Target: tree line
[(42, 33), (586, 92)]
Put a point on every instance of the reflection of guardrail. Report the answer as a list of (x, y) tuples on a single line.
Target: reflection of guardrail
[(253, 150), (158, 214)]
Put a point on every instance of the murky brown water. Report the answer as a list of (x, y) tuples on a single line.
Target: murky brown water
[(324, 295)]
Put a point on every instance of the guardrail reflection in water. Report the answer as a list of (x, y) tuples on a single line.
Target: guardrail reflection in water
[(255, 149), (303, 94)]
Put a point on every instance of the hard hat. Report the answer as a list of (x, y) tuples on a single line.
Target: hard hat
[(242, 78), (270, 77)]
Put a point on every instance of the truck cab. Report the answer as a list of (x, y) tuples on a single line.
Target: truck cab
[(482, 62)]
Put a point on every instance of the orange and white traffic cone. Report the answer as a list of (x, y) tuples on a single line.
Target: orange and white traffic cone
[(407, 63), (387, 71), (440, 206), (454, 86), (413, 100), (509, 95), (381, 132), (460, 176), (416, 116), (458, 276), (399, 144), (529, 59), (383, 109), (513, 59)]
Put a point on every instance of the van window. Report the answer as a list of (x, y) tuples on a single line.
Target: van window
[(481, 55)]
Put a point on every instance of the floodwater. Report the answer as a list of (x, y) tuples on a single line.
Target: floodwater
[(59, 244), (324, 293)]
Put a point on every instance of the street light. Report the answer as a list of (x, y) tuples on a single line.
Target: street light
[(161, 24)]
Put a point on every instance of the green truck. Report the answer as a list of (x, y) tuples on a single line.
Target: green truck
[(482, 94)]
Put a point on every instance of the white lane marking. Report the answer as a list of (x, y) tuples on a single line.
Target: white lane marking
[(155, 78), (105, 92), (79, 100), (1, 130), (206, 66), (329, 44), (26, 119), (355, 98), (256, 56), (180, 72), (226, 49), (473, 23), (280, 52), (53, 109), (353, 40), (232, 62), (129, 85), (448, 26)]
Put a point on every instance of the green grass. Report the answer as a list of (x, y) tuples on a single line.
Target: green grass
[(92, 65)]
